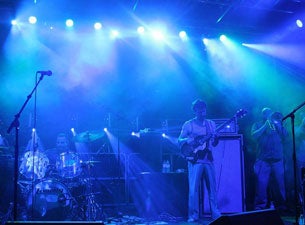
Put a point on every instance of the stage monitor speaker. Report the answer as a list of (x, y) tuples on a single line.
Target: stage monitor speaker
[(259, 217)]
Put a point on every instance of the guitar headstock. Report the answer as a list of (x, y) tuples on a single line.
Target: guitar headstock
[(240, 113)]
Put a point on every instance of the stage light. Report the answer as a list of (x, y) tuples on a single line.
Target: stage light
[(299, 23), (14, 22), (114, 34), (97, 26), (69, 23), (73, 131), (164, 135), (32, 19), (141, 30), (183, 35), (158, 35), (135, 134), (105, 129), (205, 41), (222, 38)]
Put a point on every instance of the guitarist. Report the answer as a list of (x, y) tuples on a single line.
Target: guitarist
[(201, 165)]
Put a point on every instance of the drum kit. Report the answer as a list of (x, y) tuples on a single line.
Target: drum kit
[(58, 192)]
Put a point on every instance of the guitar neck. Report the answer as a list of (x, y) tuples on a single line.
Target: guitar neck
[(221, 126)]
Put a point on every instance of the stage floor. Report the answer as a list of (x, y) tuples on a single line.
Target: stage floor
[(137, 221)]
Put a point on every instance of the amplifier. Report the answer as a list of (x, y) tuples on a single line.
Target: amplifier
[(229, 128), (229, 170)]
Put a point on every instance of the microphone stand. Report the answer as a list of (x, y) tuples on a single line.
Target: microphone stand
[(292, 116), (15, 123)]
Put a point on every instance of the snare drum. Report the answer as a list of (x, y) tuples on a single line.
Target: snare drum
[(68, 165), (50, 199), (34, 166)]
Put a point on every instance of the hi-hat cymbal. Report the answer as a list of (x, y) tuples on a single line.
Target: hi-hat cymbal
[(88, 136)]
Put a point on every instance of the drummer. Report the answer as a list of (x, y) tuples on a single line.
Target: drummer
[(62, 145)]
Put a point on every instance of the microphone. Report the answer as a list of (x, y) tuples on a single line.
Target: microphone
[(48, 72)]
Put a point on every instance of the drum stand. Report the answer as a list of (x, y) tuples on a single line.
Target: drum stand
[(91, 208)]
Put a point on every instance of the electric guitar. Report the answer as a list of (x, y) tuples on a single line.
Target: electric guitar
[(198, 148)]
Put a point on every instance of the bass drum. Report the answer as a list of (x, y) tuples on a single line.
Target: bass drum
[(49, 200)]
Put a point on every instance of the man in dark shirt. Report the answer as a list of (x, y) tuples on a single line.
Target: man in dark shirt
[(269, 134)]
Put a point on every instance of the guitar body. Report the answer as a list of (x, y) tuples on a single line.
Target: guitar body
[(197, 150), (187, 151)]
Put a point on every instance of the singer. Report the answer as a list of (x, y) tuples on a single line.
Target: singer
[(269, 135)]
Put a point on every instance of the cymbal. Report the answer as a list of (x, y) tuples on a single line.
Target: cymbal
[(88, 136)]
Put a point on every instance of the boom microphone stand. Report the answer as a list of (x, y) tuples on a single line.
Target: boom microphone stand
[(15, 123), (292, 116)]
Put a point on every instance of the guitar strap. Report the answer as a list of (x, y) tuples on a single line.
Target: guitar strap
[(206, 152), (209, 131)]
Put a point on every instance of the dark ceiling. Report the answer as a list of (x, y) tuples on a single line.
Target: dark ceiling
[(254, 16), (242, 16)]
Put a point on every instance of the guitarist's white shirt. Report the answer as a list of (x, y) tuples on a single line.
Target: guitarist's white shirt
[(192, 129)]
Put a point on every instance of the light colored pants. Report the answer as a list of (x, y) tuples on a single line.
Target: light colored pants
[(195, 173)]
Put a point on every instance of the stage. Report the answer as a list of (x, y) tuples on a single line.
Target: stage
[(257, 217)]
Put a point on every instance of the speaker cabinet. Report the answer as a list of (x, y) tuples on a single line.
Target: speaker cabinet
[(259, 217), (229, 168)]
